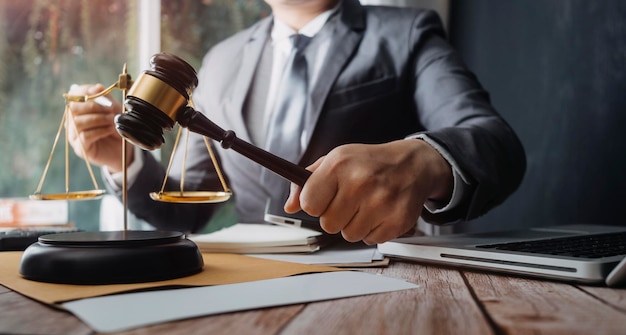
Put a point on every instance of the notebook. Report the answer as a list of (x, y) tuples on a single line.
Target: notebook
[(251, 238), (589, 254)]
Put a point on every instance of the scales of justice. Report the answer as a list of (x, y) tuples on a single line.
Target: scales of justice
[(156, 101)]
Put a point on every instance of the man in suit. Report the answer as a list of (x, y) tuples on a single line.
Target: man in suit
[(395, 126)]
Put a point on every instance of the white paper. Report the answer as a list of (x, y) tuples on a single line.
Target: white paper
[(255, 235), (329, 255), (127, 311)]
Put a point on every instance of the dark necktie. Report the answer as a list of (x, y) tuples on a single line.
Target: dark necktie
[(287, 120)]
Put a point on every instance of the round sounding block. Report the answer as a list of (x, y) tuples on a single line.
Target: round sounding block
[(111, 257)]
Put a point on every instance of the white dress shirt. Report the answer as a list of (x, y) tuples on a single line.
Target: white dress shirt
[(282, 48)]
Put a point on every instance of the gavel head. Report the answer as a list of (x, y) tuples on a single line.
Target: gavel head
[(154, 100)]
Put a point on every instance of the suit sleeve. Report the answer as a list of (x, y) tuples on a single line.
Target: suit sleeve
[(458, 115)]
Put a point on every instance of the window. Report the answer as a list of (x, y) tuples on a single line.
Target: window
[(47, 45)]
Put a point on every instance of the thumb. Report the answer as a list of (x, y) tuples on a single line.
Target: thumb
[(292, 204)]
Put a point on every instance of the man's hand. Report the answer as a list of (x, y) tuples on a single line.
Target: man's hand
[(373, 193), (91, 127)]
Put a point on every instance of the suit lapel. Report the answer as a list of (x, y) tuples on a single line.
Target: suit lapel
[(346, 37), (251, 54)]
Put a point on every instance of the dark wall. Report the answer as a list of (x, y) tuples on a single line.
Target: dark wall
[(556, 70)]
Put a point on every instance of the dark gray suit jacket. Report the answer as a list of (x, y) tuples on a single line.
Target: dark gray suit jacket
[(389, 74)]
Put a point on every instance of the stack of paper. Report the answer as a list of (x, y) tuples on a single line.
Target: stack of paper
[(249, 238), (353, 255)]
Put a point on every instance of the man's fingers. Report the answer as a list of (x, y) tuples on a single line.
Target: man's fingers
[(318, 192), (292, 204), (87, 122)]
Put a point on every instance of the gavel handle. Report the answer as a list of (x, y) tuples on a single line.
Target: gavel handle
[(200, 124)]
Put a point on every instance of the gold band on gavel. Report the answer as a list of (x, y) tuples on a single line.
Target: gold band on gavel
[(158, 93)]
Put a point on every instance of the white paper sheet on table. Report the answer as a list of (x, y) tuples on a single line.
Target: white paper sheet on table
[(329, 255), (127, 311)]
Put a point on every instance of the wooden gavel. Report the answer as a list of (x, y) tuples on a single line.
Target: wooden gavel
[(159, 98)]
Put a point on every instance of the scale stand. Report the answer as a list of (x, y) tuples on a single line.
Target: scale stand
[(112, 257)]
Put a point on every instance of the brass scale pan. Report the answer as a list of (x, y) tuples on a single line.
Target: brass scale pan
[(78, 195), (172, 196), (191, 196)]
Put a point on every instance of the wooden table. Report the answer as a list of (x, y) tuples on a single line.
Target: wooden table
[(448, 301)]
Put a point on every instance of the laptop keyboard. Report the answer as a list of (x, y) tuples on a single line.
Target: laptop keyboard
[(588, 246)]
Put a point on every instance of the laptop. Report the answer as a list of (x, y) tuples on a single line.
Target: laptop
[(581, 253)]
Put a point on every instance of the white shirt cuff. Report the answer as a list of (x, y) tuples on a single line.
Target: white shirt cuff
[(116, 179), (460, 180)]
